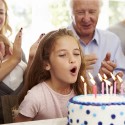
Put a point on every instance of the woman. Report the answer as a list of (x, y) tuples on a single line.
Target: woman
[(12, 67)]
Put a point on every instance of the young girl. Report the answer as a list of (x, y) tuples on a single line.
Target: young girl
[(54, 77)]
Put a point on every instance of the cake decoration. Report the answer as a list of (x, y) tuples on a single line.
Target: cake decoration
[(98, 109), (102, 110)]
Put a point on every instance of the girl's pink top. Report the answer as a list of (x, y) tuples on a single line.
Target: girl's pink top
[(42, 102)]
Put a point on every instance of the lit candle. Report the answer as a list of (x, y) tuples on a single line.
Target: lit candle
[(115, 87), (85, 85), (108, 83), (121, 81), (122, 89), (94, 87), (102, 87), (102, 83), (105, 77), (111, 89), (90, 75), (113, 77), (85, 88)]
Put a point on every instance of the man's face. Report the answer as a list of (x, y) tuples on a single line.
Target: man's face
[(85, 16)]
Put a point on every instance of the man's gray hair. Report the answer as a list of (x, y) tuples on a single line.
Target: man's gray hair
[(70, 5)]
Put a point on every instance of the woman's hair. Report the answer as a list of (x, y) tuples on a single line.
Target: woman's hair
[(6, 28), (37, 72)]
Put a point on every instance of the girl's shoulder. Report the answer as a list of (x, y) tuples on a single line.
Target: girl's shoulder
[(35, 93), (38, 89)]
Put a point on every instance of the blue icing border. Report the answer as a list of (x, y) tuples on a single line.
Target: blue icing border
[(75, 101)]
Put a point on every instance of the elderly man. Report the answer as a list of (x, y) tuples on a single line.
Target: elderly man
[(103, 52)]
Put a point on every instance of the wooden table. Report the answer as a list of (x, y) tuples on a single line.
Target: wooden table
[(58, 121)]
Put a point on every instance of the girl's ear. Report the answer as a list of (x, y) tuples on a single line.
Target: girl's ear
[(47, 66)]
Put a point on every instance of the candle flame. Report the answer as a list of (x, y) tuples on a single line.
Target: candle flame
[(105, 77), (107, 82), (82, 78), (93, 81), (113, 77), (119, 78), (90, 75), (100, 77)]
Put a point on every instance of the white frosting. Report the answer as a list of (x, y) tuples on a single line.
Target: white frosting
[(100, 98), (102, 110)]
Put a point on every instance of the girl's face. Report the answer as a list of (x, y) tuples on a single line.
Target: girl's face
[(2, 14), (65, 61)]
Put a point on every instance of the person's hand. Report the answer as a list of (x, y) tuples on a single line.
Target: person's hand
[(2, 50), (17, 50), (118, 87), (34, 47), (5, 46), (107, 66), (90, 59), (1, 58)]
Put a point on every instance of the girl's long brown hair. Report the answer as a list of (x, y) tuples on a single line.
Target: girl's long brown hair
[(37, 73)]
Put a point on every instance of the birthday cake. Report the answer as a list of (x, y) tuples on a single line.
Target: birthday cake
[(100, 110)]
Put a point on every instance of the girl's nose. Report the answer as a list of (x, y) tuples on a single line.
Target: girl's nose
[(72, 59)]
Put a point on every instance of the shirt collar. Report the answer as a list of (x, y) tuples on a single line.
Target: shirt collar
[(96, 37)]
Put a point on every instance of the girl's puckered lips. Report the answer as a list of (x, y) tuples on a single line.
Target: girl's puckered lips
[(73, 70)]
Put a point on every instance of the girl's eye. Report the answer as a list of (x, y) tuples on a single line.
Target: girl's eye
[(62, 55), (77, 54)]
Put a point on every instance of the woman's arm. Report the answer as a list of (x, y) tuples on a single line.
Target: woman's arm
[(8, 65)]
